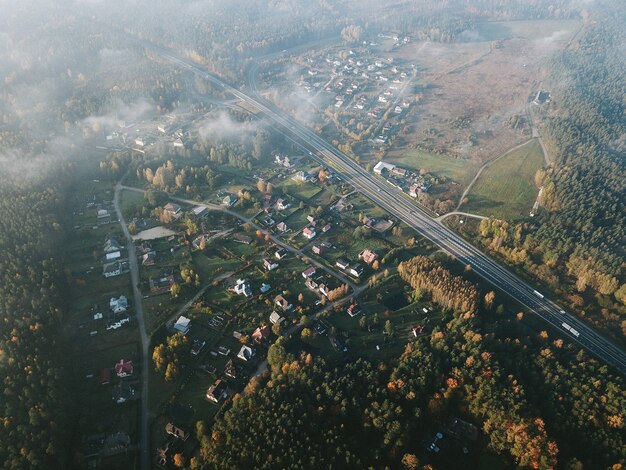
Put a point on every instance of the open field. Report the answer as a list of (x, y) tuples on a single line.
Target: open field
[(506, 189), (458, 169)]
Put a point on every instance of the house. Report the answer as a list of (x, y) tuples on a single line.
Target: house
[(276, 318), (200, 211), (324, 289), (280, 253), (282, 204), (124, 368), (122, 392), (119, 305), (111, 244), (217, 391), (197, 347), (139, 142), (242, 287), (113, 256), (318, 249), (312, 220), (269, 265), (182, 325), (103, 216), (261, 334), (229, 200), (282, 227), (178, 143), (357, 270), (354, 309), (308, 233), (326, 228), (282, 303), (149, 259), (414, 190), (161, 284), (380, 166), (342, 263), (173, 209), (165, 453), (301, 176), (231, 370), (418, 330), (264, 288), (246, 353), (368, 256), (112, 269), (241, 238), (311, 284), (282, 160), (308, 272), (399, 172), (176, 431)]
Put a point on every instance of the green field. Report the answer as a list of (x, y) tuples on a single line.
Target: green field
[(506, 189), (459, 170)]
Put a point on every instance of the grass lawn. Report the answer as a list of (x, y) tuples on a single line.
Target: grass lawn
[(506, 189), (303, 191), (459, 170)]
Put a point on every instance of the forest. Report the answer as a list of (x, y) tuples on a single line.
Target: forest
[(35, 405), (536, 401)]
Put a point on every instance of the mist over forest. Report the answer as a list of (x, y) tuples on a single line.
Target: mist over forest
[(157, 168)]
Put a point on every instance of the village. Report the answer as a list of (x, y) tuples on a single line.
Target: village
[(298, 255)]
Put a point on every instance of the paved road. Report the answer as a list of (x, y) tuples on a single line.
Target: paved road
[(144, 436), (398, 204), (466, 214)]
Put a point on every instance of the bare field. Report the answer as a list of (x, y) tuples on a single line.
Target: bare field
[(472, 92)]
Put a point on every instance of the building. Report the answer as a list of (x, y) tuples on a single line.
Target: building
[(265, 288), (149, 259), (282, 227), (326, 228), (197, 346), (229, 200), (301, 176), (276, 318), (173, 209), (353, 310), (242, 287), (357, 270), (217, 391), (176, 431), (309, 233), (261, 334), (182, 325), (308, 272), (241, 238), (111, 244), (200, 211), (280, 301), (115, 255), (312, 220), (318, 249), (282, 204), (280, 253), (124, 368), (380, 166), (161, 284), (246, 353), (342, 263), (269, 265), (112, 269), (119, 305), (368, 256)]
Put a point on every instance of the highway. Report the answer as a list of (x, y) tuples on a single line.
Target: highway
[(398, 204)]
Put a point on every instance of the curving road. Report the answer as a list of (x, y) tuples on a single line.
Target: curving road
[(397, 203)]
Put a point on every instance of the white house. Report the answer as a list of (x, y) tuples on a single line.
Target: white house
[(182, 324), (380, 166)]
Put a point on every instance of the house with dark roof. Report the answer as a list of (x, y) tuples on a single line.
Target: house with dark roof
[(217, 391), (176, 431)]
